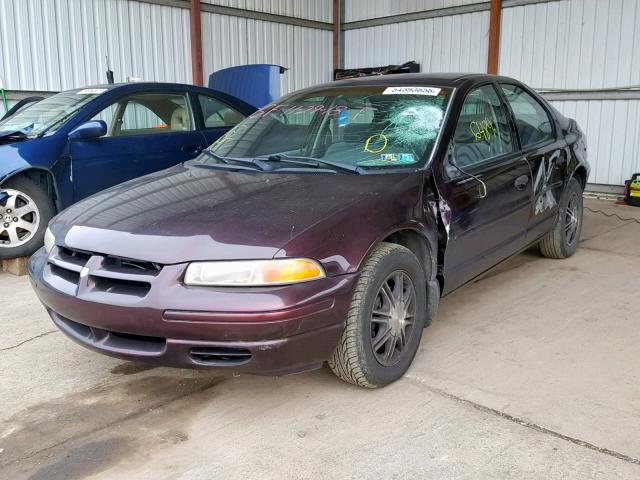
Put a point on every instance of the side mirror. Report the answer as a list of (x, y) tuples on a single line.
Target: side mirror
[(91, 129)]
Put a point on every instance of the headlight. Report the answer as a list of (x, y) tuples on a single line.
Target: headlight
[(49, 241), (253, 273)]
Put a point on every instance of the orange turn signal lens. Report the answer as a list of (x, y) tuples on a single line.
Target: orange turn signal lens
[(282, 271)]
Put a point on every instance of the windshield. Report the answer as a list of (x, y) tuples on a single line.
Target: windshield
[(50, 113), (364, 127)]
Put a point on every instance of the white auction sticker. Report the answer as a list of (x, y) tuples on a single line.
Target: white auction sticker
[(432, 92), (92, 91)]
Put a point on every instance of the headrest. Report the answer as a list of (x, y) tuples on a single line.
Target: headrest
[(180, 119)]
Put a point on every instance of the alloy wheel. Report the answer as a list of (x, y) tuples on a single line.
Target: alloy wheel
[(572, 219), (19, 218), (393, 317)]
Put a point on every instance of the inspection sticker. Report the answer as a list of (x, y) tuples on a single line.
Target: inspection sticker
[(92, 91), (432, 92)]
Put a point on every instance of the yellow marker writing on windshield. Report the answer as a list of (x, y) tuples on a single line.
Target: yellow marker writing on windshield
[(373, 138)]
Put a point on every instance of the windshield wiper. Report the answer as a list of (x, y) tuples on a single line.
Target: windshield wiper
[(314, 162), (256, 165), (20, 134)]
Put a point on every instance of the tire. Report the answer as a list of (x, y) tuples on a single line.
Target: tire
[(562, 241), (27, 205), (356, 360)]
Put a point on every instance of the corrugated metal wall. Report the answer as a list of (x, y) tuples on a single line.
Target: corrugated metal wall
[(364, 9), (53, 45), (305, 51), (319, 10), (436, 43), (613, 136), (577, 45), (572, 44)]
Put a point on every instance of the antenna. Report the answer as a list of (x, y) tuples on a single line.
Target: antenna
[(109, 71)]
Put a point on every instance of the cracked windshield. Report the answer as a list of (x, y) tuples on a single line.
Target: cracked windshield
[(351, 127)]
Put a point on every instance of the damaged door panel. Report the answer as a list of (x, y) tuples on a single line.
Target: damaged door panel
[(544, 150), (487, 186)]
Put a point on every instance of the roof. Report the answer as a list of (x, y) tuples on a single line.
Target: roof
[(426, 79), (110, 86)]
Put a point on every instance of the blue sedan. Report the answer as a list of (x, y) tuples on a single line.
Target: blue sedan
[(76, 143)]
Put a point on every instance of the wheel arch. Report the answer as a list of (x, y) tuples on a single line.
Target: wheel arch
[(424, 245), (580, 174), (42, 177)]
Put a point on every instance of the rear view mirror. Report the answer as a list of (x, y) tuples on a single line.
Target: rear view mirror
[(91, 129)]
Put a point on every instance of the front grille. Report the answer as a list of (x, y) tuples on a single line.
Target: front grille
[(104, 273), (69, 276), (219, 356), (131, 265), (120, 286), (76, 257)]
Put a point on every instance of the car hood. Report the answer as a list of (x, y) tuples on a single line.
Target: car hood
[(190, 213)]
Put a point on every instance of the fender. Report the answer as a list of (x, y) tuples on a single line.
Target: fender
[(51, 181)]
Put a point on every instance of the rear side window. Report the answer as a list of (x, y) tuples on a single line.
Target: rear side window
[(483, 131), (217, 114), (532, 120)]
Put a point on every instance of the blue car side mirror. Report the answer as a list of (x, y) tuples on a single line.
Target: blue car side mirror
[(91, 129)]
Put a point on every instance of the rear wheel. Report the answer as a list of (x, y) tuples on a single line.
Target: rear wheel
[(562, 241), (25, 211), (385, 321)]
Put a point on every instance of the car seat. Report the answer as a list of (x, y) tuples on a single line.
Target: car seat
[(180, 120)]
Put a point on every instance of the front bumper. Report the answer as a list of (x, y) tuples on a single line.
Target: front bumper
[(272, 331)]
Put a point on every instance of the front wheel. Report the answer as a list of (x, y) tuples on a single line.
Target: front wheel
[(385, 320), (562, 241), (25, 211)]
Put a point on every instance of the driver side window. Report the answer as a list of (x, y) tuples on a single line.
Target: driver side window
[(147, 114), (483, 131)]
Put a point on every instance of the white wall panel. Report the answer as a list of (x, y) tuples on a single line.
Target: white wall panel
[(229, 41), (365, 9), (319, 10), (572, 44), (612, 128), (61, 44), (437, 43)]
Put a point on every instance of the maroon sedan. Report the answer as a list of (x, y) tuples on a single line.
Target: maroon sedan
[(323, 228)]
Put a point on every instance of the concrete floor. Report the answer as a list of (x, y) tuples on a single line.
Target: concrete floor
[(531, 372)]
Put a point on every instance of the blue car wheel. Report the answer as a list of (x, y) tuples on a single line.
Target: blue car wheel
[(25, 211)]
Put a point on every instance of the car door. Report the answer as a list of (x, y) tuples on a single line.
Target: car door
[(487, 188), (217, 117), (147, 132), (545, 153)]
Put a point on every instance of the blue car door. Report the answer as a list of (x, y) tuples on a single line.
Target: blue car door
[(147, 132)]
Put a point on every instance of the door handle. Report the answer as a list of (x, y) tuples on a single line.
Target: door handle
[(521, 182), (191, 149)]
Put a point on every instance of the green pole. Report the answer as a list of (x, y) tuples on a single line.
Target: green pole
[(4, 100), (4, 97)]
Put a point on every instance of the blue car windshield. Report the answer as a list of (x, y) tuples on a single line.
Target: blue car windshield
[(359, 127), (49, 114)]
